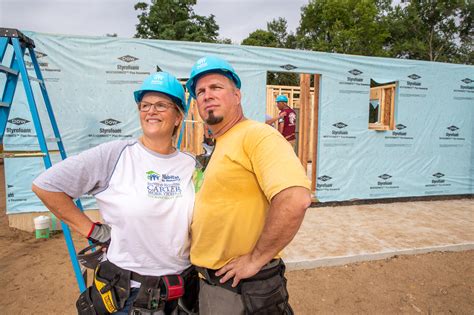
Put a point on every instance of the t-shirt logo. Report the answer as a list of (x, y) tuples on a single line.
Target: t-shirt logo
[(152, 176), (292, 118), (164, 186)]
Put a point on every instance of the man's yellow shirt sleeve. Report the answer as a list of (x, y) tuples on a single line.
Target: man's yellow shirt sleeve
[(275, 164)]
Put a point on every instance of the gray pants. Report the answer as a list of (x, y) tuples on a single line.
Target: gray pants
[(214, 300)]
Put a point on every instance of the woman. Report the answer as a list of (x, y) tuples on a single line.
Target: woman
[(145, 195)]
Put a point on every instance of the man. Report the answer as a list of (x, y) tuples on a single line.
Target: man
[(250, 205), (286, 119)]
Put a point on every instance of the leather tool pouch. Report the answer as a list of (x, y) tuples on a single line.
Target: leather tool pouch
[(108, 293), (266, 292)]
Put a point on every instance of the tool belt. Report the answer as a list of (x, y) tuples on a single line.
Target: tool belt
[(264, 293), (111, 289)]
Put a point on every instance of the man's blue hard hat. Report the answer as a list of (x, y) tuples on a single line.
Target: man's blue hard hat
[(282, 98), (165, 83), (210, 64)]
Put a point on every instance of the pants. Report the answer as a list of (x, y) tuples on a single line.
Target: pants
[(214, 300)]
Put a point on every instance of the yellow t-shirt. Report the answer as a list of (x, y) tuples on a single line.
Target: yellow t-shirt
[(251, 163)]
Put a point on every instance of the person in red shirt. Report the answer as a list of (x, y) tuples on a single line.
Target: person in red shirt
[(287, 119)]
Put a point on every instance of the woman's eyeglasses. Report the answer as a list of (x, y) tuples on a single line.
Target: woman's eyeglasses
[(159, 106)]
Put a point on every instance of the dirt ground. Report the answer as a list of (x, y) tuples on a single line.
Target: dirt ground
[(37, 278)]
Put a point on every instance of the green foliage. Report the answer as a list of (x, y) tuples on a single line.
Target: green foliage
[(433, 30), (174, 20), (440, 30), (224, 41), (278, 27), (344, 26), (261, 38), (276, 35)]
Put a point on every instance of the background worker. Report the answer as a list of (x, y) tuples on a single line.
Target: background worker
[(145, 194), (249, 207), (287, 119)]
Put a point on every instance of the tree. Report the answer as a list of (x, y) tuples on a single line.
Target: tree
[(276, 35), (261, 38), (224, 41), (174, 20), (344, 26), (432, 30), (278, 27)]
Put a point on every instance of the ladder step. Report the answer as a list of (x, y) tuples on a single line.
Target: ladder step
[(12, 32), (14, 72), (8, 70), (21, 154), (3, 104)]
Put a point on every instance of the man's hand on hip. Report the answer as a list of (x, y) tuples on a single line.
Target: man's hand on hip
[(242, 267)]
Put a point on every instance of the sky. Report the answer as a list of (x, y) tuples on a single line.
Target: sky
[(236, 18)]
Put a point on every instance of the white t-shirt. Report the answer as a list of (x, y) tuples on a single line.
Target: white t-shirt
[(147, 199)]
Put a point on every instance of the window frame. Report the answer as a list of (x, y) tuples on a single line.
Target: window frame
[(386, 113)]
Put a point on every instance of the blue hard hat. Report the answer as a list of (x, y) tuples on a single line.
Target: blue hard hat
[(282, 98), (210, 64), (165, 83)]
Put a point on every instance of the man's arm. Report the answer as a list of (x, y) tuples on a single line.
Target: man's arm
[(286, 212), (281, 126), (281, 121), (62, 206), (270, 121)]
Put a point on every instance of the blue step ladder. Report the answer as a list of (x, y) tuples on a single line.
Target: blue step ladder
[(17, 68)]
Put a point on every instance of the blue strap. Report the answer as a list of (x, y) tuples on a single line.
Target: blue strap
[(178, 145)]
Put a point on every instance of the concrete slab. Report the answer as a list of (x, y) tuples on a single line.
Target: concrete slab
[(339, 235)]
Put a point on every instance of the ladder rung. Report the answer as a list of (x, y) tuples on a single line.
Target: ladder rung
[(3, 104), (8, 70), (35, 79), (20, 154)]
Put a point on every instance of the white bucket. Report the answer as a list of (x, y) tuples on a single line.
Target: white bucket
[(42, 225)]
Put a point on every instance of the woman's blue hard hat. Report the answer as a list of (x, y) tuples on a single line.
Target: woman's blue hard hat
[(210, 64), (165, 83)]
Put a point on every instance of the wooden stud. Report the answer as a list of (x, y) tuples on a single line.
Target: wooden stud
[(307, 120), (300, 123), (314, 157), (392, 109), (304, 119)]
